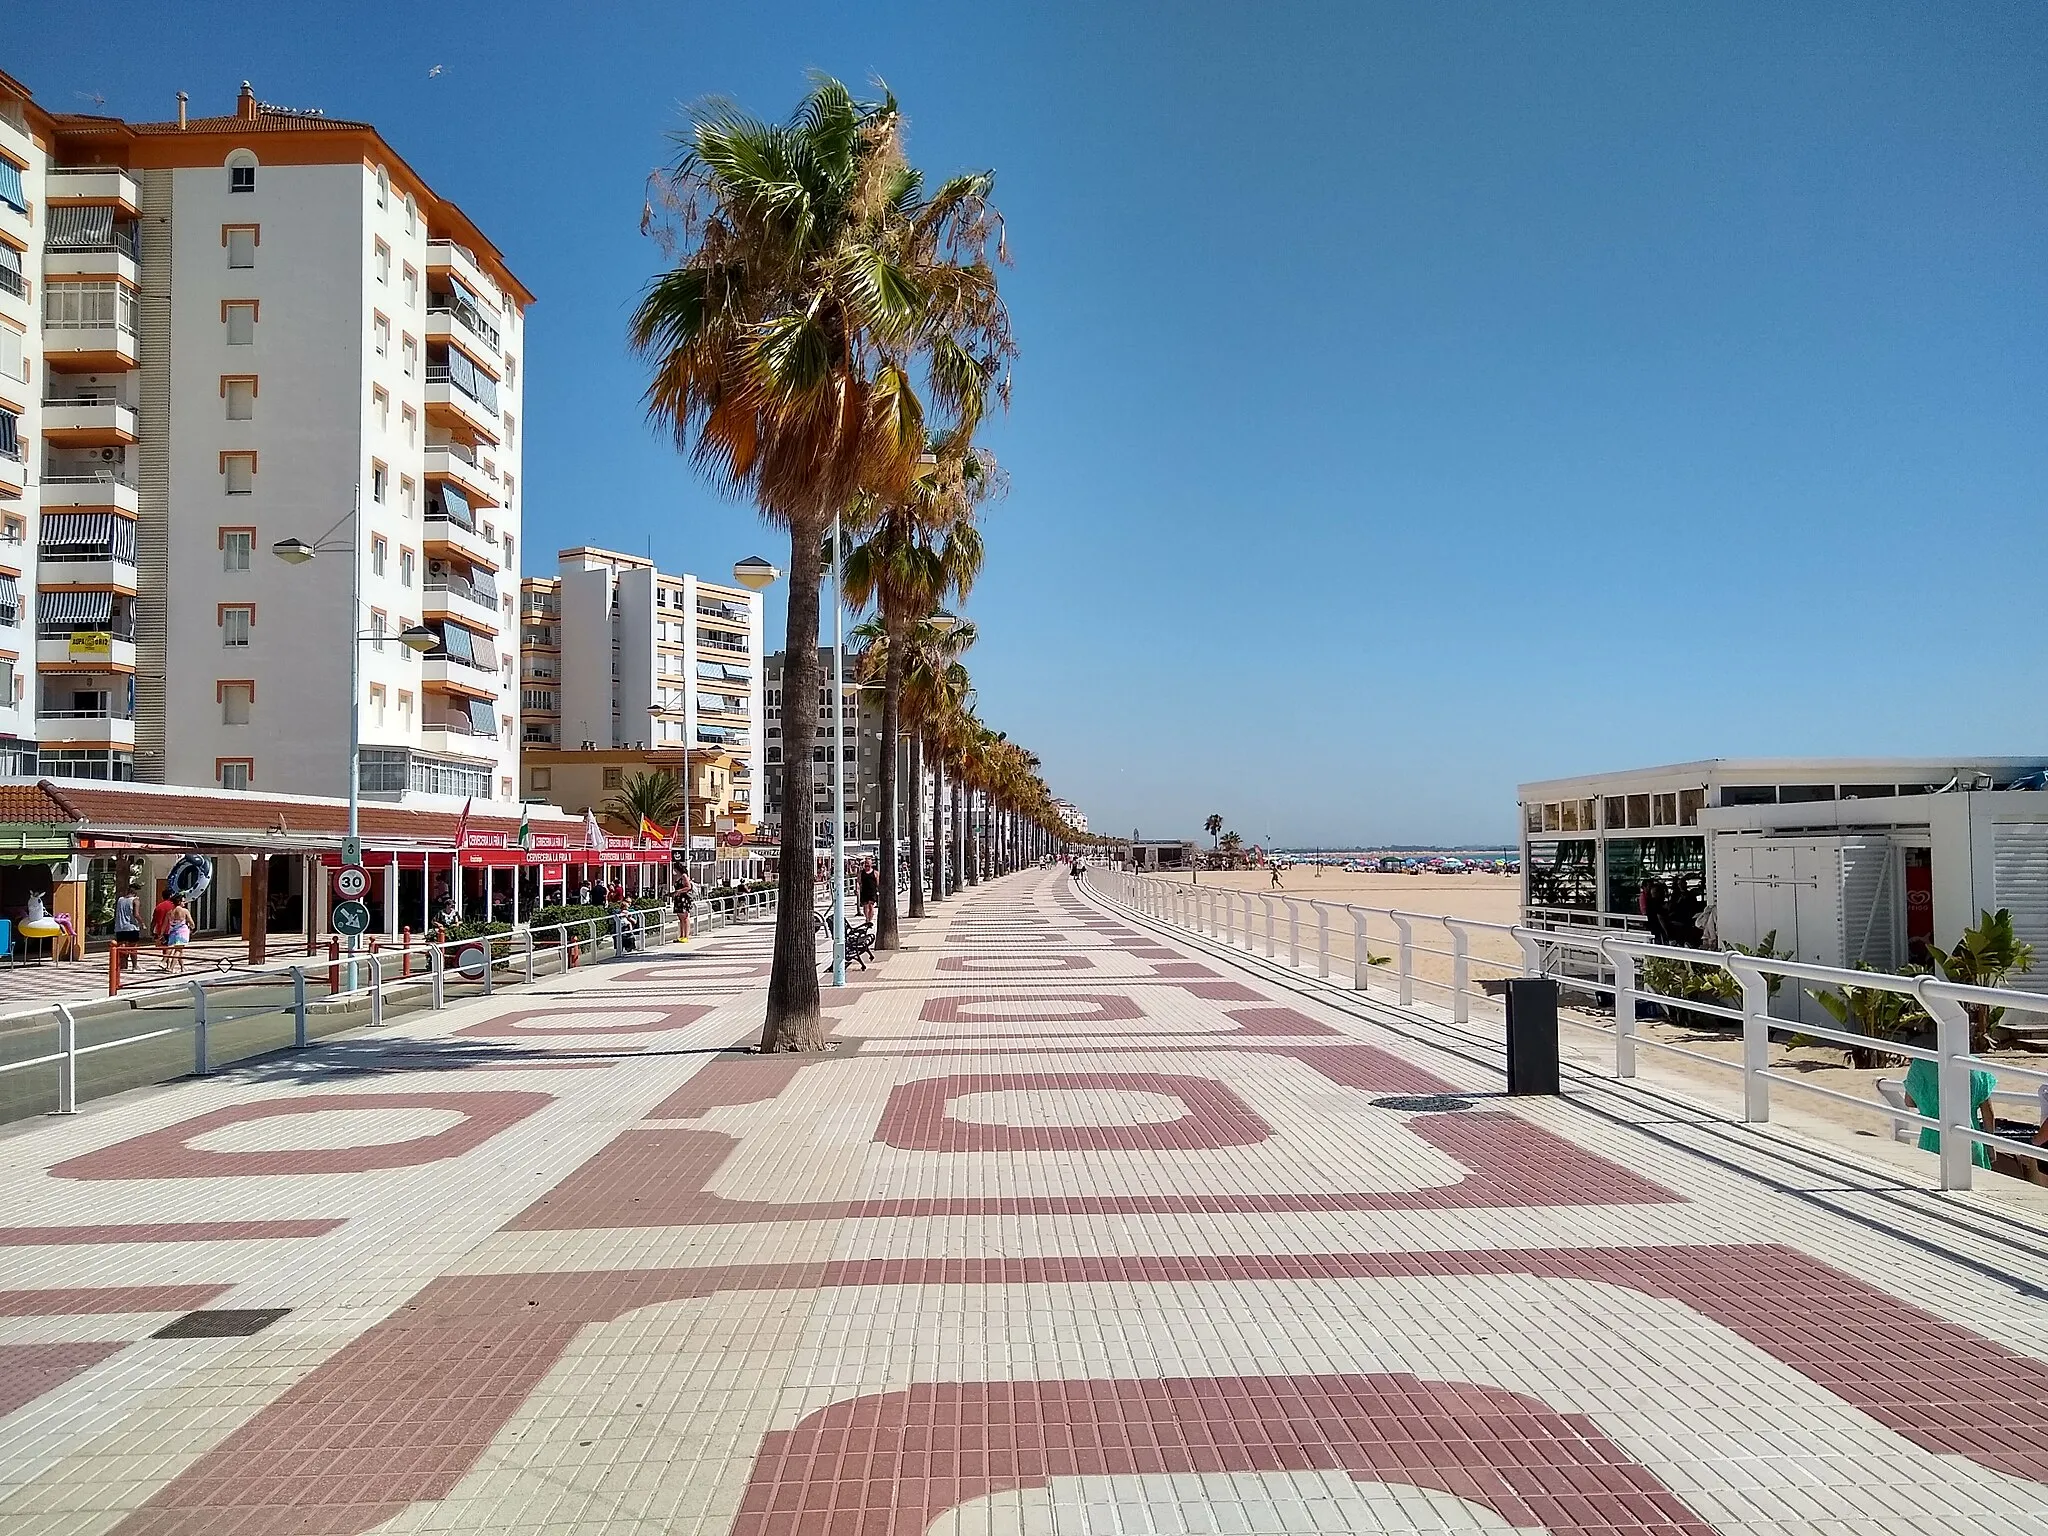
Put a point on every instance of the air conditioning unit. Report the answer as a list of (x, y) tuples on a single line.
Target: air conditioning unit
[(109, 455), (437, 568)]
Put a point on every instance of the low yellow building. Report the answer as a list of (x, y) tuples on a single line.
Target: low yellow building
[(579, 781)]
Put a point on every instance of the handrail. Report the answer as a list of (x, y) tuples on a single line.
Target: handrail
[(421, 974), (1618, 953)]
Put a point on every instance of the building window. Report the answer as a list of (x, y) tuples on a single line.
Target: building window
[(404, 710), (504, 789), (378, 550), (235, 699), (411, 418), (511, 370), (410, 281), (236, 620), (405, 567), (412, 214), (236, 545), (377, 704), (383, 187), (239, 472), (234, 772), (613, 777), (380, 329), (511, 429), (405, 495), (380, 261), (241, 323), (412, 357), (378, 475), (380, 405), (242, 178), (240, 395), (379, 623), (540, 780), (241, 241)]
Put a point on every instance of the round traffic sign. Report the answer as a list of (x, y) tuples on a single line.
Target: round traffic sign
[(473, 961), (350, 882), (351, 918)]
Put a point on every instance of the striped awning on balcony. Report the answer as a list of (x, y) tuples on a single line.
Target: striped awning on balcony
[(81, 229), (71, 531), (448, 501), (483, 718), (80, 610), (12, 193), (10, 434), (10, 599)]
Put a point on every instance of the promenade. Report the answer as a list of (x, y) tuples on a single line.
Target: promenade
[(1080, 1229)]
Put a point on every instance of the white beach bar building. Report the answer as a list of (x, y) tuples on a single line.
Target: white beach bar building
[(1846, 860)]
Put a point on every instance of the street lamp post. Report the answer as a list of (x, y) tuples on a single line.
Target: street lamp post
[(941, 624), (416, 638), (757, 576)]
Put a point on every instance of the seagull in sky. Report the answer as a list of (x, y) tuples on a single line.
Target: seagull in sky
[(435, 70)]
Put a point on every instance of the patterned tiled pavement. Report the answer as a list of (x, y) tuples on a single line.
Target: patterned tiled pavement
[(1081, 1228)]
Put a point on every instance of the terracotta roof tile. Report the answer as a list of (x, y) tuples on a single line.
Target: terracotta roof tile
[(104, 806), (262, 122), (31, 803)]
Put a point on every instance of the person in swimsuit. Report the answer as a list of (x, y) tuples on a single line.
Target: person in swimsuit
[(178, 934)]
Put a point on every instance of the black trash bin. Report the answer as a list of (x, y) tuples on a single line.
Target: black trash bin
[(1532, 1035)]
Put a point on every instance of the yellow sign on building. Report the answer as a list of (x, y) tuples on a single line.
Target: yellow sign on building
[(92, 645)]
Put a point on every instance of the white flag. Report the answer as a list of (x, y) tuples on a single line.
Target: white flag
[(593, 834)]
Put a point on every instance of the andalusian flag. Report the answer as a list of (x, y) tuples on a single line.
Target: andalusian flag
[(525, 829), (652, 833)]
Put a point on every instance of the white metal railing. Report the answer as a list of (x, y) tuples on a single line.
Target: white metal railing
[(1262, 922), (235, 1012)]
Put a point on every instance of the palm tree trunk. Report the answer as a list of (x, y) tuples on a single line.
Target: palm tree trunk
[(959, 833), (916, 840), (794, 1022), (898, 663), (972, 863), (938, 825)]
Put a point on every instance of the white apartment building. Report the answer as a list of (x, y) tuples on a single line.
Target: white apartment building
[(861, 765), (255, 327), (617, 654)]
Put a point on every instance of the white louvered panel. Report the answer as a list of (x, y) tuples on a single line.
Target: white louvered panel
[(2019, 876), (1869, 905), (153, 478)]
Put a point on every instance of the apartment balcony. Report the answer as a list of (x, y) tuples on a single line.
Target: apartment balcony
[(451, 675), (76, 422), (84, 650), (13, 474), (15, 225), (91, 186), (448, 400), (445, 256), (74, 727), (70, 487), (451, 317), (17, 298), (445, 536), (724, 645), (106, 568), (452, 597), (73, 346), (452, 738), (111, 260), (723, 613), (456, 462)]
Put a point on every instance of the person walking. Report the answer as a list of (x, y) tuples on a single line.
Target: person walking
[(1276, 876), (868, 893), (685, 898), (127, 927), (160, 930), (177, 934)]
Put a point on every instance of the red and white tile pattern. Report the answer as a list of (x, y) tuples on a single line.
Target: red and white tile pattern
[(1076, 1231)]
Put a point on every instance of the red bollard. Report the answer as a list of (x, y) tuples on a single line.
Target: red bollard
[(406, 963), (113, 969), (333, 966)]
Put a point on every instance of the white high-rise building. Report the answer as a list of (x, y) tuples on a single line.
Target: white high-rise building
[(256, 327), (619, 654)]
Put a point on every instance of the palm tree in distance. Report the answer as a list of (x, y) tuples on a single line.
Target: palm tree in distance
[(656, 796), (818, 301), (918, 552), (1214, 827), (1230, 843)]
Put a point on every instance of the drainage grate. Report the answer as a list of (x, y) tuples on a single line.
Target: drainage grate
[(1423, 1103), (225, 1324)]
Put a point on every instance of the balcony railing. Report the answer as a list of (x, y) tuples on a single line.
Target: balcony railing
[(479, 387), (13, 282), (724, 611), (710, 642), (81, 554), (108, 713), (66, 631), (113, 237), (455, 304), (82, 474), (485, 662), (464, 588)]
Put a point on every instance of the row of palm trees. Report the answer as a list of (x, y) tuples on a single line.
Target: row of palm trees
[(826, 340)]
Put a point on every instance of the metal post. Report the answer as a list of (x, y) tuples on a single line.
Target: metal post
[(1952, 1077), (299, 1007), (1293, 933), (202, 1065), (838, 761), (1361, 952), (1267, 903), (1756, 1040), (67, 1069), (1407, 952), (1461, 970), (487, 946), (1322, 940), (376, 990), (529, 957), (1625, 991), (437, 976)]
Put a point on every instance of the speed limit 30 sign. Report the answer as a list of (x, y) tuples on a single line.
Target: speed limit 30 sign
[(350, 882)]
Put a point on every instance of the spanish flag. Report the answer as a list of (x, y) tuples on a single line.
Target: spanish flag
[(652, 833)]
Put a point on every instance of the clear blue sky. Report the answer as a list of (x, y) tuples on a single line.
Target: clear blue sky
[(1414, 399)]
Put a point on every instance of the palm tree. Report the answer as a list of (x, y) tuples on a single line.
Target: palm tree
[(919, 551), (656, 796), (1230, 843), (1214, 827), (818, 297)]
